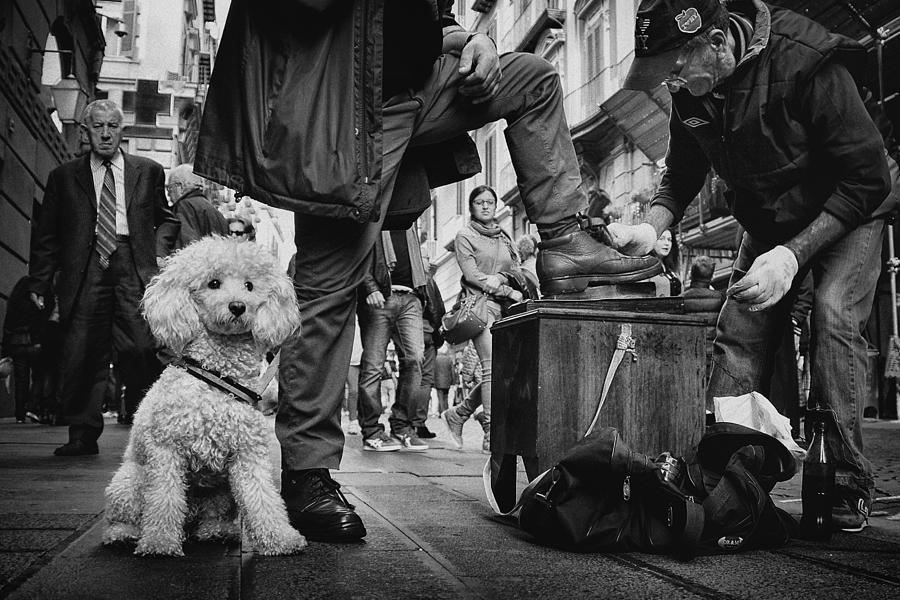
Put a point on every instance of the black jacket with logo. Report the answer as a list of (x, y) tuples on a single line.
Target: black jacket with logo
[(791, 138)]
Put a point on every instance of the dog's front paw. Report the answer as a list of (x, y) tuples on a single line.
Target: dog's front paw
[(120, 533), (150, 546), (287, 542)]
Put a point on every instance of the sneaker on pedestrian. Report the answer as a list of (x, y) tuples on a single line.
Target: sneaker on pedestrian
[(425, 433), (851, 516), (380, 442), (353, 427), (410, 441), (454, 425)]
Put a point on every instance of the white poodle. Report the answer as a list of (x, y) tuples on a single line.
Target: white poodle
[(197, 457)]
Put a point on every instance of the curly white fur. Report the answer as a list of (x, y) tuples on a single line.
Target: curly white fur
[(198, 458)]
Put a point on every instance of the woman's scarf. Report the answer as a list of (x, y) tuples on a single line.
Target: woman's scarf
[(493, 230)]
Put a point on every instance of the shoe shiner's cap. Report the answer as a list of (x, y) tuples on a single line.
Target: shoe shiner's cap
[(661, 29)]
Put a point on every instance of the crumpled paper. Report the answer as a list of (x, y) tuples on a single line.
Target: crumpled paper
[(755, 411)]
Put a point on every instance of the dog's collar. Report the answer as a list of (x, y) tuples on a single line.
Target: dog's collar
[(221, 382)]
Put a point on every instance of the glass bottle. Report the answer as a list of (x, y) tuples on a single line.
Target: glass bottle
[(818, 483)]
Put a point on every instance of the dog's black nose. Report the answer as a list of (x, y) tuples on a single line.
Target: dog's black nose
[(237, 308)]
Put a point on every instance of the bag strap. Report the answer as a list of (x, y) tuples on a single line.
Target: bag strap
[(694, 520), (624, 344), (489, 492)]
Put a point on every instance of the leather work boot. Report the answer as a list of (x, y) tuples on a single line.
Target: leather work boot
[(317, 508), (571, 263)]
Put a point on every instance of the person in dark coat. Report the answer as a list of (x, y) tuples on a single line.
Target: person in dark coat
[(199, 218), (770, 100), (104, 225), (352, 144), (23, 333)]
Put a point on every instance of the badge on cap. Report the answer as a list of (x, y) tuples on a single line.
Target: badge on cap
[(689, 20)]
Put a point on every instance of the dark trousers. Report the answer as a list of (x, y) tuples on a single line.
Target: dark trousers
[(334, 255), (106, 319), (423, 397)]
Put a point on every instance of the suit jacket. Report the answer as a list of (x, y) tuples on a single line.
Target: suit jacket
[(64, 238)]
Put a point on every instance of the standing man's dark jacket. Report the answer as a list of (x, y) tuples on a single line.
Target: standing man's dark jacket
[(791, 137), (294, 112), (199, 218), (64, 239)]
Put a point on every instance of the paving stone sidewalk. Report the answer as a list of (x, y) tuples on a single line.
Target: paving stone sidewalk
[(431, 535)]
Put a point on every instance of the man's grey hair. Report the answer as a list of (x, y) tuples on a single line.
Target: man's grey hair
[(106, 105), (184, 174)]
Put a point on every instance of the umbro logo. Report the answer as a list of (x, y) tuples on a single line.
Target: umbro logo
[(695, 122)]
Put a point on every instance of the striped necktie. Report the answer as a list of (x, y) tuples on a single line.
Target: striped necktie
[(106, 218)]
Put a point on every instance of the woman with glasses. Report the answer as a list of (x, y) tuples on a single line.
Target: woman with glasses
[(241, 228), (484, 251)]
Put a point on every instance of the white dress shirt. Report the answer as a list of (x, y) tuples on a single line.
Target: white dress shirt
[(117, 163)]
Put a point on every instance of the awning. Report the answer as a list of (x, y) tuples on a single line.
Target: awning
[(641, 116)]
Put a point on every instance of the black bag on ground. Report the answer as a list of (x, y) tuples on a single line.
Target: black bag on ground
[(604, 497)]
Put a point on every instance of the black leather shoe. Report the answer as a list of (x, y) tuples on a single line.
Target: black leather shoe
[(573, 262), (425, 433), (77, 448), (318, 509)]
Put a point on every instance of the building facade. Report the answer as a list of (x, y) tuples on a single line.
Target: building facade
[(37, 131)]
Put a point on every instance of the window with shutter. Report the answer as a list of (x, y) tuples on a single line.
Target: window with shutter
[(129, 15)]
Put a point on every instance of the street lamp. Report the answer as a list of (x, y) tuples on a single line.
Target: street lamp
[(69, 99)]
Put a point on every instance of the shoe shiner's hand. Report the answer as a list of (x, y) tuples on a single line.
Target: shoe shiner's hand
[(375, 299), (633, 240), (479, 65), (768, 279), (492, 283), (515, 295)]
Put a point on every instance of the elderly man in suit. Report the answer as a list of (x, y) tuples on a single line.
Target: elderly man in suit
[(104, 225)]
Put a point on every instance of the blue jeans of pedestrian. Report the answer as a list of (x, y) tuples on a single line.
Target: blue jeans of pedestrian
[(400, 320), (844, 279)]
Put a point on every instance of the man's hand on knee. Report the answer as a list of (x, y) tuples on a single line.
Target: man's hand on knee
[(768, 279), (479, 64), (632, 240)]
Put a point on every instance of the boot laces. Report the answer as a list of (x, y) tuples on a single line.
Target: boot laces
[(321, 484)]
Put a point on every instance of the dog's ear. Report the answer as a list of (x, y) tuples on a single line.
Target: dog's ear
[(168, 308), (279, 316)]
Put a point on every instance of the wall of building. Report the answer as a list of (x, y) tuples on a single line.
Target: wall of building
[(32, 142)]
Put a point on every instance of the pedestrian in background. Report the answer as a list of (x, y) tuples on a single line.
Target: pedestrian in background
[(105, 225), (484, 251), (667, 283), (23, 334), (199, 218), (443, 378)]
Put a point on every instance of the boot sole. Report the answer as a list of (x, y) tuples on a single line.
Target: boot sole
[(578, 283), (350, 532)]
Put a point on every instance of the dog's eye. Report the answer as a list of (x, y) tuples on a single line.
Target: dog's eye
[(248, 285), (214, 284)]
